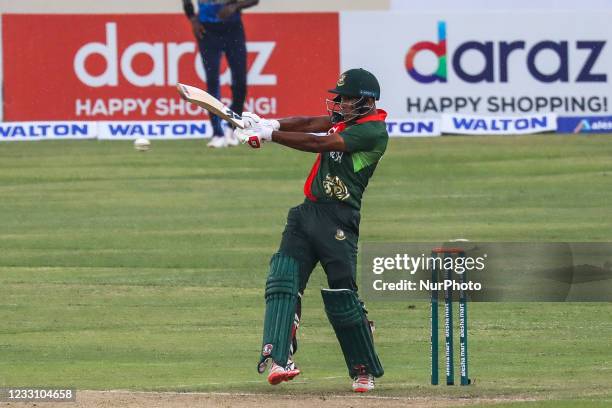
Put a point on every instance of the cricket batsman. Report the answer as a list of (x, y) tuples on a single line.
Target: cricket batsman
[(325, 227)]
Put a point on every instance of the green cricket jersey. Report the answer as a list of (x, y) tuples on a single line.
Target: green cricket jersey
[(343, 176)]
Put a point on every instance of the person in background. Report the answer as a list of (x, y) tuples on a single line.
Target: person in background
[(218, 30)]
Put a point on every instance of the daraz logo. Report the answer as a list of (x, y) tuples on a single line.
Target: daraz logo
[(439, 49), (496, 55)]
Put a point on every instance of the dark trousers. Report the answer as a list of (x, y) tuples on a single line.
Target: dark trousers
[(327, 233), (229, 39)]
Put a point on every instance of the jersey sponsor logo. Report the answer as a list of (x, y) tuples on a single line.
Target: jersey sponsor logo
[(336, 156), (340, 235), (334, 187)]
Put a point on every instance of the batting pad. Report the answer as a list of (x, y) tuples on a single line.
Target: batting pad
[(281, 300), (346, 315)]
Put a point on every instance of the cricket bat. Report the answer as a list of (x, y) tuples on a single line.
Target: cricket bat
[(207, 101)]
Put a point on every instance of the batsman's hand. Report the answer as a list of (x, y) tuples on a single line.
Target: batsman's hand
[(256, 135), (251, 119)]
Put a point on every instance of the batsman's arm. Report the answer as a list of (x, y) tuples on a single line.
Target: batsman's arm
[(309, 124), (307, 142)]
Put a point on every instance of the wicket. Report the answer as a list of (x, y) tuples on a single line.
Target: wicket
[(444, 254)]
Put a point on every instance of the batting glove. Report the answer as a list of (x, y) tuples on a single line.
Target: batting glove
[(251, 119), (256, 135)]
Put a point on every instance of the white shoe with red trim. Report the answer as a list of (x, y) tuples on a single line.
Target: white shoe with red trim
[(278, 374), (363, 383)]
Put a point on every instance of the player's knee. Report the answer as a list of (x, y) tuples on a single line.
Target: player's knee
[(283, 276), (346, 282)]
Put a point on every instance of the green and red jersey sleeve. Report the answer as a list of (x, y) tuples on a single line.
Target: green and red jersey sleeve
[(343, 176)]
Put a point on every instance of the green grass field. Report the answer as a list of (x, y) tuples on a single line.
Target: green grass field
[(145, 271)]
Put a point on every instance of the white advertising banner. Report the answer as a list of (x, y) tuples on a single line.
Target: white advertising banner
[(413, 127), (155, 130), (500, 64), (498, 125), (23, 131), (488, 5)]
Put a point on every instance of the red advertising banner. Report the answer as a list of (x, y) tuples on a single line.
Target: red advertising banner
[(125, 67)]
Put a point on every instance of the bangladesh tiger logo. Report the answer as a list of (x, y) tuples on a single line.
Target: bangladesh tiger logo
[(334, 187)]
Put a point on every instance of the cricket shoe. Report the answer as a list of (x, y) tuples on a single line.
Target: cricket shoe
[(217, 142), (230, 139), (278, 374), (363, 383)]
